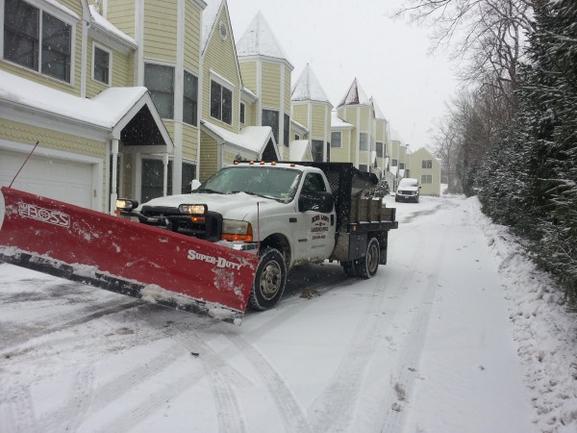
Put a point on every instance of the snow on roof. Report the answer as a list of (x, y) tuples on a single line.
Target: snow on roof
[(63, 8), (378, 112), (308, 87), (337, 122), (108, 27), (250, 93), (252, 138), (395, 136), (355, 95), (105, 110), (298, 150), (299, 125), (209, 17), (259, 40)]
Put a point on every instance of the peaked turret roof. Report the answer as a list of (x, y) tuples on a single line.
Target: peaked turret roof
[(355, 95), (259, 40), (308, 87), (378, 112)]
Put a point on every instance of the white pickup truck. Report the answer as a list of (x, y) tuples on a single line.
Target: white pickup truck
[(288, 213)]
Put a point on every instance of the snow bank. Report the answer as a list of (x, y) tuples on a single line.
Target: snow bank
[(545, 331)]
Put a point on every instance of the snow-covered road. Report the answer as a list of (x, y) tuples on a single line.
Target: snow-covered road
[(426, 346)]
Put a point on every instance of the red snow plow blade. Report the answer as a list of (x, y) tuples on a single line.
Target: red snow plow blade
[(126, 257)]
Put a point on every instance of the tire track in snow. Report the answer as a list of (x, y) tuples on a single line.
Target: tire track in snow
[(410, 355), (83, 388), (293, 416), (332, 409), (11, 352), (21, 410)]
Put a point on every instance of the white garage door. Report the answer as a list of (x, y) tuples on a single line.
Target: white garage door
[(63, 180)]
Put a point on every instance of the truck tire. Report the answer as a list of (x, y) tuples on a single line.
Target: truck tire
[(368, 265), (270, 280)]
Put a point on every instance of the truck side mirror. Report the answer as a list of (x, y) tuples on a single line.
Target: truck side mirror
[(318, 201)]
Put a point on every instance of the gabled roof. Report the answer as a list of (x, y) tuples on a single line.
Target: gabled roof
[(308, 87), (355, 95), (259, 40), (110, 110), (251, 138), (209, 16), (105, 26), (337, 122), (378, 112)]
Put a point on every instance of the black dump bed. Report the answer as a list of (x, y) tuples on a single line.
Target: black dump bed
[(347, 184)]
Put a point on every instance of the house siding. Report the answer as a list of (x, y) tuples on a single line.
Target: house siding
[(192, 37), (300, 113), (342, 154), (287, 89), (318, 122), (271, 85), (121, 14), (248, 71), (208, 156), (160, 30), (189, 142)]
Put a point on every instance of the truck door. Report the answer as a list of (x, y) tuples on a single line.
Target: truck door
[(318, 228)]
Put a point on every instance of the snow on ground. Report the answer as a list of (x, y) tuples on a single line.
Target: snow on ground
[(458, 333)]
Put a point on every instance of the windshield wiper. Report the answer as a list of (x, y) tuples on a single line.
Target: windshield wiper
[(254, 193), (208, 191)]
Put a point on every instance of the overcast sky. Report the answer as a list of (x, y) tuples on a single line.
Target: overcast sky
[(342, 40)]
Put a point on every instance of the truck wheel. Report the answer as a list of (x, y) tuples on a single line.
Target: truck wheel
[(368, 265), (269, 281)]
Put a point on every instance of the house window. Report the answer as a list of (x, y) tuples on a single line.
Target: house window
[(101, 71), (364, 141), (426, 179), (190, 99), (317, 150), (287, 129), (270, 118), (23, 39), (394, 162), (427, 163), (336, 139), (380, 151), (159, 80), (402, 166), (242, 110), (56, 47), (363, 167), (153, 176), (297, 137), (220, 102)]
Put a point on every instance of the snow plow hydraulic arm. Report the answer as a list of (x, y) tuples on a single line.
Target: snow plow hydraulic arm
[(126, 257)]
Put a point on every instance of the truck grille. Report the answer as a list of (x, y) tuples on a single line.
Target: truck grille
[(170, 218)]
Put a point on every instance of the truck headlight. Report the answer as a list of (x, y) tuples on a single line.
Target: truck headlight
[(192, 209), (236, 231), (126, 205)]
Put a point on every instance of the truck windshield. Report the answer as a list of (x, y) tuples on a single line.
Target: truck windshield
[(276, 183)]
